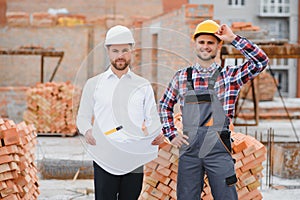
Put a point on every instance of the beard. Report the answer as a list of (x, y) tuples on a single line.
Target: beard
[(207, 58), (120, 64)]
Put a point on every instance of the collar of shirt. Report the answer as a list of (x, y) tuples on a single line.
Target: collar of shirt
[(109, 74), (210, 69)]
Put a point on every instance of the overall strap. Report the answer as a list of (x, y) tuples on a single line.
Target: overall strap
[(212, 80), (190, 83)]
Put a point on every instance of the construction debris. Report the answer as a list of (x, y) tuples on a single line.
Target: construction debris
[(286, 158), (18, 171), (52, 108), (161, 174)]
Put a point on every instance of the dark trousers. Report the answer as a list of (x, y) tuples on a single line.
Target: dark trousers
[(113, 187)]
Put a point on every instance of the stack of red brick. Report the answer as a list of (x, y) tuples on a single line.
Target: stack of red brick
[(52, 108), (18, 172), (264, 85), (244, 26), (43, 19), (161, 174)]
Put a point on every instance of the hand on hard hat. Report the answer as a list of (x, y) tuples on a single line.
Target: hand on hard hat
[(206, 27), (225, 33)]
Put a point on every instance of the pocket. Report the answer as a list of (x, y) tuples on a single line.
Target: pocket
[(225, 137), (231, 180)]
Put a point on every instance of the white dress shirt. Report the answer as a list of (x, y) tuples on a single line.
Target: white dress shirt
[(110, 102)]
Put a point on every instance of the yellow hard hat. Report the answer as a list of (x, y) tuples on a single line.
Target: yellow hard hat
[(207, 26)]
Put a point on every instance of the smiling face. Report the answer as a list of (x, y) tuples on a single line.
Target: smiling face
[(206, 47), (120, 56)]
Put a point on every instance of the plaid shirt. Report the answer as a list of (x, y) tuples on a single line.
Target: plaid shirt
[(227, 85)]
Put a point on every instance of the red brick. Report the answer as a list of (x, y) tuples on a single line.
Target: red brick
[(173, 184), (165, 146), (249, 150), (156, 193), (238, 156), (3, 151), (207, 197), (151, 181), (257, 169), (239, 146), (238, 164), (259, 152), (175, 151), (11, 197), (250, 195), (146, 196), (253, 185), (174, 159), (173, 176), (242, 192), (164, 171), (6, 159), (160, 177), (11, 136), (2, 185), (164, 154), (258, 197), (174, 168), (173, 194), (238, 172), (165, 189), (253, 164), (162, 162), (152, 165), (244, 176), (248, 180), (248, 159)]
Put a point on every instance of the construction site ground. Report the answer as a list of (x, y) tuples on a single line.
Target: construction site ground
[(73, 148)]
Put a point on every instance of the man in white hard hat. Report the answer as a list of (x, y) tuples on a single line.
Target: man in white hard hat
[(120, 104)]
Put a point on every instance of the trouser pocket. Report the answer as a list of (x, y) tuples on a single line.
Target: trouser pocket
[(225, 137)]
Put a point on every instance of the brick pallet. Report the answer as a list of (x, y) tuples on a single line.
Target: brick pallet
[(52, 108), (161, 174), (18, 171)]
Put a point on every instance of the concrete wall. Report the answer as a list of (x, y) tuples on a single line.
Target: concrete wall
[(84, 57), (172, 49)]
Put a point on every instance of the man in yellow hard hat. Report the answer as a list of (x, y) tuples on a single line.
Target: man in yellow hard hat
[(207, 94), (115, 107)]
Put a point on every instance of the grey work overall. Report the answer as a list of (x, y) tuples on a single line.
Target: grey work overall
[(209, 149)]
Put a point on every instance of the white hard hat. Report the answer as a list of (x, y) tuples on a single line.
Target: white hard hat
[(119, 35)]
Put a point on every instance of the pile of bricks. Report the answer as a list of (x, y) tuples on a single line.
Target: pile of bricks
[(18, 171), (244, 26), (43, 19), (52, 108), (161, 174), (264, 85)]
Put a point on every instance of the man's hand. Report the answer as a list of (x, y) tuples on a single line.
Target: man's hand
[(225, 33), (179, 140), (158, 140), (89, 138)]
